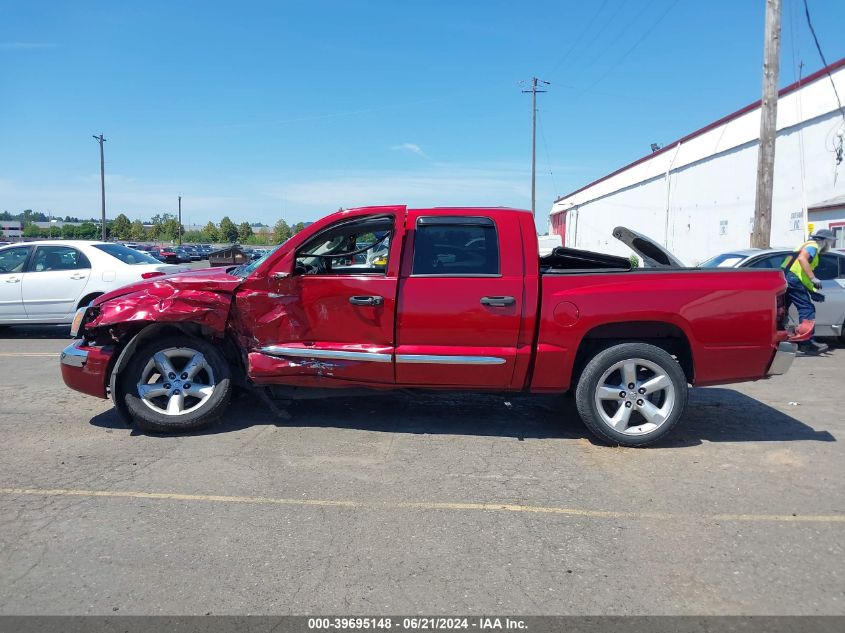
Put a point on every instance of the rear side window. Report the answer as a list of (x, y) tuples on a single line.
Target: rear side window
[(52, 258), (126, 254), (455, 247), (772, 261)]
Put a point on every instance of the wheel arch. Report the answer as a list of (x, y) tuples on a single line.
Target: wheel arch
[(88, 299), (151, 331), (663, 334)]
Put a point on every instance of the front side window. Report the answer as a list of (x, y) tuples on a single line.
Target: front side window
[(455, 247), (52, 258), (353, 247), (12, 260)]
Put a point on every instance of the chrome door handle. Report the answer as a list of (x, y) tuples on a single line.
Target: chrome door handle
[(78, 276), (498, 302), (366, 301), (13, 280)]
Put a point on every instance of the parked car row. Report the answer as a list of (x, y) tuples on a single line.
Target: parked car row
[(175, 254)]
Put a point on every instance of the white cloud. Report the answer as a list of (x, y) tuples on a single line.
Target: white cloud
[(412, 148), (439, 186)]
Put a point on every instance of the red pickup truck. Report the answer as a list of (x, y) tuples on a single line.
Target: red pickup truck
[(446, 298)]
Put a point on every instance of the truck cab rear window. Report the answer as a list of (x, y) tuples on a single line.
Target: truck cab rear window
[(455, 249)]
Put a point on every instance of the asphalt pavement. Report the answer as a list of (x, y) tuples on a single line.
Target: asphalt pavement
[(472, 504)]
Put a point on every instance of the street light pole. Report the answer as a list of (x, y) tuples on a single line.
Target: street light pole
[(101, 140), (179, 230)]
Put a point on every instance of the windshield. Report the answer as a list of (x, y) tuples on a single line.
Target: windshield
[(244, 270), (127, 255), (725, 260)]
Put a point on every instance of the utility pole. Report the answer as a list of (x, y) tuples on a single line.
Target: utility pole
[(533, 90), (762, 231), (179, 230), (101, 140)]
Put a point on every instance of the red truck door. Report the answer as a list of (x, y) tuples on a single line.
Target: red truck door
[(460, 300), (331, 316)]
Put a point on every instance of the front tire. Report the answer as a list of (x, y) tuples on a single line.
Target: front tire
[(176, 384), (631, 394)]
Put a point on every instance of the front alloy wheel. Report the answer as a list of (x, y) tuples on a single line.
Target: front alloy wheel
[(176, 384), (176, 381)]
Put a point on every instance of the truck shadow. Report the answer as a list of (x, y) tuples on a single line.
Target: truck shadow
[(10, 332), (713, 415)]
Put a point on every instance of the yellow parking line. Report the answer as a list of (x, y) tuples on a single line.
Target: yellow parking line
[(426, 505)]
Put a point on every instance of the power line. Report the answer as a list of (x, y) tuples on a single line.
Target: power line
[(633, 48), (580, 36), (824, 61)]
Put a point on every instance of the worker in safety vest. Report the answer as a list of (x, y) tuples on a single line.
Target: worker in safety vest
[(803, 285)]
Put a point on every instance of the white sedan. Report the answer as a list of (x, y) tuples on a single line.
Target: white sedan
[(45, 282)]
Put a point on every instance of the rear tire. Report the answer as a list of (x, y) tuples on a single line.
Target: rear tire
[(631, 394), (176, 384)]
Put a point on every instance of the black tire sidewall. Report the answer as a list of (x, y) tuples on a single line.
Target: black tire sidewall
[(588, 382), (149, 420)]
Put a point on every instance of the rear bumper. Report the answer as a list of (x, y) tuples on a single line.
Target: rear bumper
[(782, 361), (86, 369)]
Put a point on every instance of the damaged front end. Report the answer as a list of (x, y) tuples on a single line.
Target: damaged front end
[(115, 324)]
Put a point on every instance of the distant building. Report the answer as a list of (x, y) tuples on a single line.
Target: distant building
[(696, 195), (11, 229)]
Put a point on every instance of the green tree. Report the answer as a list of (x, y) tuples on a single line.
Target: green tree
[(68, 232), (244, 232), (169, 229), (87, 231), (298, 227), (121, 228), (136, 231), (228, 231), (30, 229), (209, 233), (281, 232)]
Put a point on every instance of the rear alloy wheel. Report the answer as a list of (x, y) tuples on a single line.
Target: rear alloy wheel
[(632, 394), (176, 384)]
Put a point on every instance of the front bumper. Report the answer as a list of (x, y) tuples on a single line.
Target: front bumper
[(86, 369), (782, 361)]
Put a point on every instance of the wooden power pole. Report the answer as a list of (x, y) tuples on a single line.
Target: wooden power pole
[(101, 140), (762, 232), (533, 90)]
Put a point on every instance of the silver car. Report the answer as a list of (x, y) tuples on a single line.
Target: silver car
[(830, 315)]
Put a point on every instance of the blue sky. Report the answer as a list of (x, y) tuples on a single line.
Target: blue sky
[(262, 110)]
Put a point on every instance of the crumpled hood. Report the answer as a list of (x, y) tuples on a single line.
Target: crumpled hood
[(201, 296), (204, 278)]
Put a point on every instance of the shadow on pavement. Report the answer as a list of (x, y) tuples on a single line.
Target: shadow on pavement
[(9, 332), (713, 415)]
